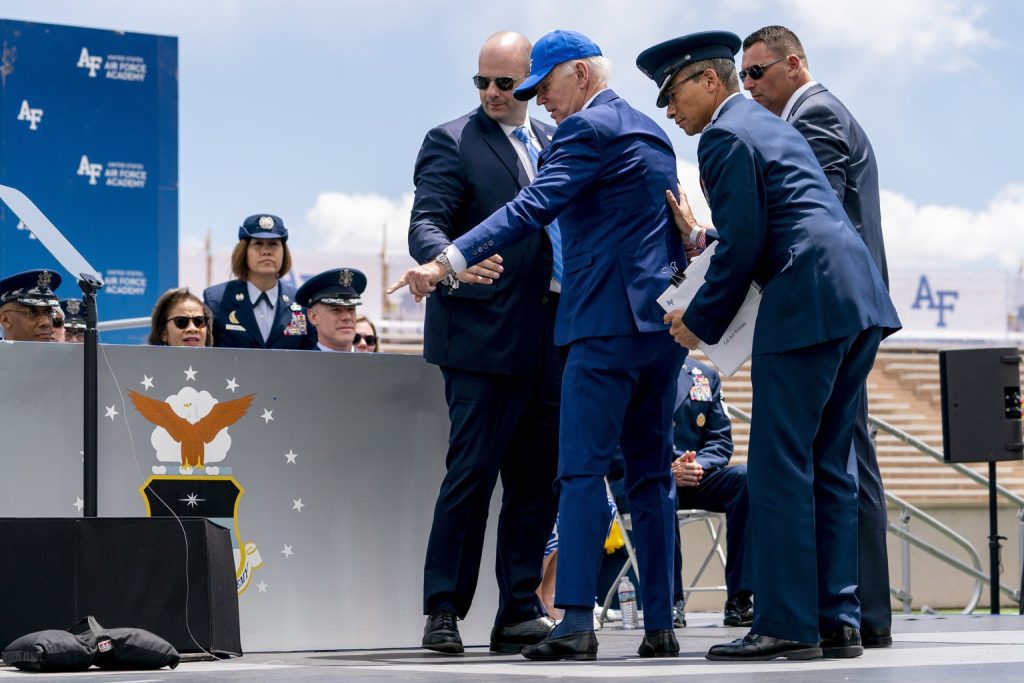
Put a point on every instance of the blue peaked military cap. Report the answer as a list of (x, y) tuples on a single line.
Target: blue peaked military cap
[(337, 287), (663, 61), (31, 288), (74, 315), (263, 226), (551, 50)]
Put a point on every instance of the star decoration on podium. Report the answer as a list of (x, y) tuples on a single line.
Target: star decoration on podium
[(190, 374), (290, 456), (298, 505), (287, 552), (232, 385), (267, 416), (262, 586), (147, 382), (112, 412)]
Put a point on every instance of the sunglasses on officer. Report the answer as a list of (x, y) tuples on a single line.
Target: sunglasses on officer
[(503, 82), (371, 339), (755, 71), (182, 321)]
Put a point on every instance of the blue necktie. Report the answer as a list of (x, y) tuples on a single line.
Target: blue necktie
[(262, 297), (554, 234)]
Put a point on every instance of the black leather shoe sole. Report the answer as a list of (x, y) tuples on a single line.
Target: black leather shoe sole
[(876, 641), (841, 651), (506, 648), (448, 647), (575, 647), (802, 654)]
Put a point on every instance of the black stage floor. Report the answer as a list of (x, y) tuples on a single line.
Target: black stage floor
[(932, 649)]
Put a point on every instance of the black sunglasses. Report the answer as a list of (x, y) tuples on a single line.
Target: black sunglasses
[(755, 71), (503, 82), (182, 321), (58, 322), (371, 339)]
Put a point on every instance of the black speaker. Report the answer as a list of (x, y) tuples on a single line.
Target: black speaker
[(981, 409), (142, 573)]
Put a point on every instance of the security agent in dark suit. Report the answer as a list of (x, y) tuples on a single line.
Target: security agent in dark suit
[(493, 340), (257, 310), (27, 301), (823, 311), (702, 434), (330, 299), (600, 178), (844, 152)]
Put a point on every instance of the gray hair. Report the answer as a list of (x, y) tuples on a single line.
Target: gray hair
[(724, 68), (599, 66)]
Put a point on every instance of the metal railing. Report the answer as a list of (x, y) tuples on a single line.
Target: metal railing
[(972, 568)]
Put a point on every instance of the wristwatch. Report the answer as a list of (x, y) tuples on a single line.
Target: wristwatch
[(442, 258)]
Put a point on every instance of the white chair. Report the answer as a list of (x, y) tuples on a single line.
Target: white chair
[(714, 522)]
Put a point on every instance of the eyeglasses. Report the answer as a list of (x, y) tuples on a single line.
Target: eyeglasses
[(58, 322), (371, 339), (755, 71), (670, 94), (182, 321), (36, 312), (503, 82)]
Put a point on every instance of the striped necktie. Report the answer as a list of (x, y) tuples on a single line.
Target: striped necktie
[(554, 234)]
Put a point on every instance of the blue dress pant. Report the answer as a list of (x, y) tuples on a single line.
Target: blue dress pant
[(803, 496), (507, 426), (618, 390)]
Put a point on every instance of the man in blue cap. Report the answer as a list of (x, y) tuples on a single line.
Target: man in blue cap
[(331, 299), (74, 320), (823, 311), (27, 301), (602, 177)]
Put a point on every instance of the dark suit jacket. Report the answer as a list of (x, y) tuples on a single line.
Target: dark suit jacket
[(712, 440), (223, 300), (845, 154), (604, 178), (780, 224), (465, 170)]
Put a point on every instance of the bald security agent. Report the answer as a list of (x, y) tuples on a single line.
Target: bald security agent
[(603, 178), (841, 146), (824, 309), (330, 299), (493, 340), (256, 310), (27, 301)]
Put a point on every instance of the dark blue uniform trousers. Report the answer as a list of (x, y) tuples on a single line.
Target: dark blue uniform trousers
[(872, 527), (721, 490), (803, 496), (503, 425), (618, 389)]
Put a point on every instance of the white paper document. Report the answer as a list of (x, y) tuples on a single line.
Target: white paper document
[(734, 348)]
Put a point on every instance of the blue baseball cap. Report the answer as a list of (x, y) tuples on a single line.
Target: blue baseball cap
[(263, 226), (663, 61), (336, 287), (551, 50)]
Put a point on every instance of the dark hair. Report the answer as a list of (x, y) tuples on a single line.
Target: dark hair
[(164, 304), (240, 260), (724, 68), (364, 319), (779, 40)]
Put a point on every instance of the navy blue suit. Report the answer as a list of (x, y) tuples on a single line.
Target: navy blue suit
[(701, 425), (844, 152), (289, 330), (823, 312), (502, 372), (603, 177)]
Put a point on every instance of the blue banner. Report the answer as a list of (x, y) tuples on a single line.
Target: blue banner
[(89, 132)]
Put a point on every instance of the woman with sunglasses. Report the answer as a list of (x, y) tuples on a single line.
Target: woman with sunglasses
[(256, 310), (366, 339), (180, 319)]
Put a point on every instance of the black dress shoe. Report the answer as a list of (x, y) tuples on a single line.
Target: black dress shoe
[(661, 643), (512, 639), (679, 614), (875, 637), (575, 647), (842, 643), (754, 647), (441, 634), (739, 611)]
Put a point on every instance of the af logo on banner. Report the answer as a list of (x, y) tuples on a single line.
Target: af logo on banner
[(87, 61), (191, 440), (940, 300), (33, 116), (94, 171)]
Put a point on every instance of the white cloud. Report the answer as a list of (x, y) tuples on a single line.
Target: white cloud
[(952, 237), (354, 223), (942, 33)]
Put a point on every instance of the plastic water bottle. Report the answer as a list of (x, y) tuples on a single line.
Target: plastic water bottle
[(627, 603)]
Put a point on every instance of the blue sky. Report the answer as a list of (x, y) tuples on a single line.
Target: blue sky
[(315, 110)]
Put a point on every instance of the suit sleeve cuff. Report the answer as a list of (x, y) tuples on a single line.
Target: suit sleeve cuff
[(455, 258)]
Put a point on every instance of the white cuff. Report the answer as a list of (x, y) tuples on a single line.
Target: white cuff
[(695, 234), (455, 258)]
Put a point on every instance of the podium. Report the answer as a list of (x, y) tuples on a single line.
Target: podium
[(145, 573)]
